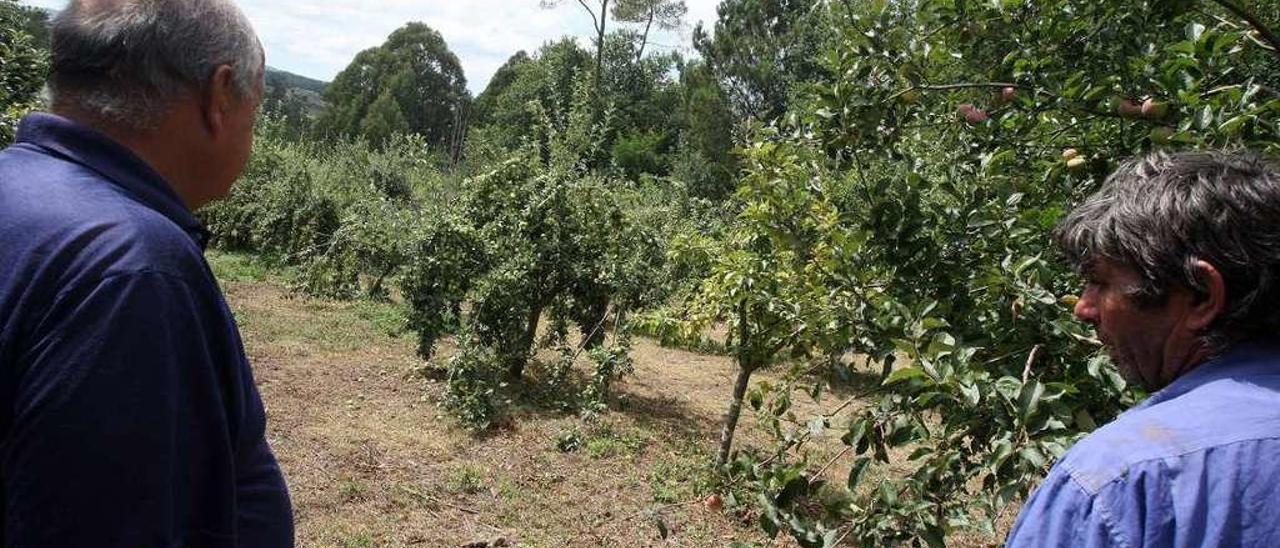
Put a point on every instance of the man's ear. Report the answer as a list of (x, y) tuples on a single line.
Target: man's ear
[(1213, 301), (219, 99)]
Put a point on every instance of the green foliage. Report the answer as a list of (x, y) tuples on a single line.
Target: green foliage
[(876, 222), (647, 109), (503, 78), (412, 83), (471, 393), (345, 215), (761, 50), (666, 15), (23, 64), (639, 154), (529, 89), (704, 160), (384, 120)]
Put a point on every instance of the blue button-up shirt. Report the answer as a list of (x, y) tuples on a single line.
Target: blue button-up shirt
[(128, 413), (1197, 464)]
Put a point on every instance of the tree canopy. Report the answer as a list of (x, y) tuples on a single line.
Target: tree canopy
[(762, 49), (415, 72)]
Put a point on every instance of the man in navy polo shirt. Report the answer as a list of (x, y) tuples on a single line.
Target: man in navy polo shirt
[(128, 412)]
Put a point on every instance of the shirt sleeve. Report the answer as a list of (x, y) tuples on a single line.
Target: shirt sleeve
[(129, 427), (1063, 515)]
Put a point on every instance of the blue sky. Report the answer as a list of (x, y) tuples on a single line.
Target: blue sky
[(318, 38)]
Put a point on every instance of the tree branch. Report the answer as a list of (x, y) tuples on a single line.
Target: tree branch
[(1267, 34), (594, 20), (644, 41), (947, 87)]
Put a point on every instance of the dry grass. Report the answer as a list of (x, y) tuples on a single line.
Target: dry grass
[(371, 462)]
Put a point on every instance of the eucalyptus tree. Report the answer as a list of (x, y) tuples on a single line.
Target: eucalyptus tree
[(413, 73)]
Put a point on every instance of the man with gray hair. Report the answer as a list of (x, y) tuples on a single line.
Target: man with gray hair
[(1182, 259), (129, 416)]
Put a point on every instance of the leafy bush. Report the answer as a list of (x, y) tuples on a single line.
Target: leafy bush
[(24, 66), (471, 393), (638, 154)]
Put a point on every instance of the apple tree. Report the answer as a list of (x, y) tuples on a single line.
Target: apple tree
[(953, 138)]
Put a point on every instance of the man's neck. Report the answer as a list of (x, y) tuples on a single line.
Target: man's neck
[(160, 148), (1196, 355)]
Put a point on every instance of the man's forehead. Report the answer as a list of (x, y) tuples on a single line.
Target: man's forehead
[(1105, 267)]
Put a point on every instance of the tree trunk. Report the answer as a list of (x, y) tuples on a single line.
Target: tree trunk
[(644, 40), (600, 35), (747, 364), (515, 369), (735, 411), (593, 325)]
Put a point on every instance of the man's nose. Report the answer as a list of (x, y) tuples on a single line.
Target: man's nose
[(1086, 308)]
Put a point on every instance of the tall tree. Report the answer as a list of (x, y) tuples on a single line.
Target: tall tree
[(385, 120), (665, 14), (599, 12), (762, 49), (501, 81), (705, 162), (503, 116), (423, 77)]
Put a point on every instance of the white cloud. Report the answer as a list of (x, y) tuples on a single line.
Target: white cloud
[(319, 38)]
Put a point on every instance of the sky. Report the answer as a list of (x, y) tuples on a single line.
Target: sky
[(318, 38)]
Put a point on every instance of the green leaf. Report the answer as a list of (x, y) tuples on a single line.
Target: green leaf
[(904, 374), (1232, 126), (1032, 456), (856, 473), (934, 536), (856, 432), (1029, 398), (1204, 118), (794, 489), (1085, 421), (888, 493)]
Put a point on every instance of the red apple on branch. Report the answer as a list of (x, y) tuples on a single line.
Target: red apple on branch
[(972, 114), (1154, 109), (1130, 108)]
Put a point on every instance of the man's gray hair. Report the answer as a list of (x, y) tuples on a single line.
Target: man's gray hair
[(127, 61), (1159, 214)]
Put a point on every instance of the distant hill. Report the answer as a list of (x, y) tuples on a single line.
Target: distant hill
[(289, 80), (294, 95)]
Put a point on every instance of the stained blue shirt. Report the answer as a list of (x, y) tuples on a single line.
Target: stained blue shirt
[(129, 416), (1197, 464)]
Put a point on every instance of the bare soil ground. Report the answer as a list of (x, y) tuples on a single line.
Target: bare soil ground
[(371, 461)]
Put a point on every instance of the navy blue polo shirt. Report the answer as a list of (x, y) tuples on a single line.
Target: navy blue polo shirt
[(129, 416)]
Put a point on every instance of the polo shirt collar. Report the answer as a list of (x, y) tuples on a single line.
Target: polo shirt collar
[(1242, 361), (116, 163)]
